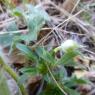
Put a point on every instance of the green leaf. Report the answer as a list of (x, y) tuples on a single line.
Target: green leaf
[(59, 73), (17, 12), (27, 51), (12, 26), (39, 11), (23, 78), (70, 91), (6, 39), (74, 81), (34, 23), (27, 72), (51, 89), (4, 90), (35, 20), (30, 70), (68, 58), (42, 53), (41, 67), (42, 13)]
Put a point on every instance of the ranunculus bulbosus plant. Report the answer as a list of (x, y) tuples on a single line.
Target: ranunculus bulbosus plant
[(52, 70)]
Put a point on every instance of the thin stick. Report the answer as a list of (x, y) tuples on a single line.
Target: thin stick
[(21, 31)]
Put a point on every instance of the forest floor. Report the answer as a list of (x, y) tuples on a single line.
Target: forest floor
[(27, 26)]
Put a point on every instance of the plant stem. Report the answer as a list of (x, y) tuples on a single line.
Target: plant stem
[(61, 89), (14, 76)]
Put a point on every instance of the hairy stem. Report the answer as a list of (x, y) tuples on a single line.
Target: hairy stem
[(13, 75), (61, 89)]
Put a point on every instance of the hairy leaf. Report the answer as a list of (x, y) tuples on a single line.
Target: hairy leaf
[(68, 58), (35, 20), (27, 51), (70, 91), (6, 39), (42, 53)]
